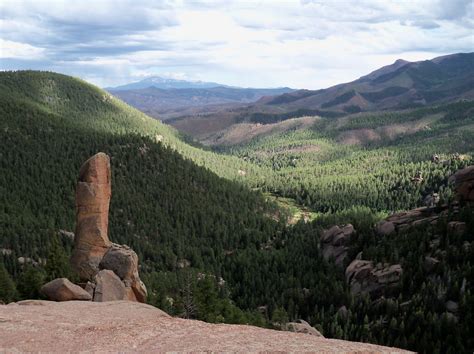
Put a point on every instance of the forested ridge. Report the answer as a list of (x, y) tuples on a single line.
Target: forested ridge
[(213, 249), (367, 159)]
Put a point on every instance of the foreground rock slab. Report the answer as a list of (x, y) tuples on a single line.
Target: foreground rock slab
[(123, 326)]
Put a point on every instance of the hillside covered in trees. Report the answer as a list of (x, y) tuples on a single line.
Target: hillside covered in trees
[(367, 159), (212, 248)]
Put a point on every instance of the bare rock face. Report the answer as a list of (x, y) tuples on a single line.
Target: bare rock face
[(334, 241), (93, 193), (123, 261), (365, 278), (301, 326), (62, 289), (108, 287), (463, 181), (131, 327)]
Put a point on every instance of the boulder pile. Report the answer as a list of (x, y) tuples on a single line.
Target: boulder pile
[(108, 271)]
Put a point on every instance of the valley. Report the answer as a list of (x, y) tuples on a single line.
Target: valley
[(237, 176), (242, 230)]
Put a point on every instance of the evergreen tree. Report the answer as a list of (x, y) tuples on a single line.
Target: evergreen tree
[(57, 263), (8, 291), (30, 282), (280, 316)]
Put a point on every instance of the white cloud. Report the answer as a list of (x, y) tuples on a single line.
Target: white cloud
[(310, 44), (11, 50)]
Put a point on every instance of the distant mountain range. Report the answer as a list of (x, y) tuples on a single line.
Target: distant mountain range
[(164, 83), (167, 98), (398, 86)]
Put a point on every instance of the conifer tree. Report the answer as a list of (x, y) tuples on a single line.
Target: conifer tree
[(30, 282), (8, 291), (57, 263)]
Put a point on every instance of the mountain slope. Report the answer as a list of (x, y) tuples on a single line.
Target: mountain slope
[(398, 86), (163, 205), (79, 105)]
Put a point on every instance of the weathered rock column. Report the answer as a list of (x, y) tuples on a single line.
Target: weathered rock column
[(93, 193)]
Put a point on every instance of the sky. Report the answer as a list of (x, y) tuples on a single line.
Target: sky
[(299, 44)]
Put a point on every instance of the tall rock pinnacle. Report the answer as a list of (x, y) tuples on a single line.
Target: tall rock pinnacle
[(110, 270), (93, 193)]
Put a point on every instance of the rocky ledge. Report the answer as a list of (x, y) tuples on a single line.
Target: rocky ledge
[(463, 185), (124, 326)]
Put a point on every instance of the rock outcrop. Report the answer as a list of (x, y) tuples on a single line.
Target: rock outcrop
[(365, 278), (407, 219), (301, 326), (93, 193), (108, 271), (124, 326), (62, 289), (334, 242), (463, 181)]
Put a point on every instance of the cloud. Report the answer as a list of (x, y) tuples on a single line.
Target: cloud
[(455, 9), (309, 44), (89, 26), (11, 49)]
